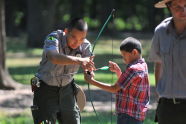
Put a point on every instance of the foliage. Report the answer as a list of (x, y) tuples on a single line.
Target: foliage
[(130, 15), (92, 23), (119, 23)]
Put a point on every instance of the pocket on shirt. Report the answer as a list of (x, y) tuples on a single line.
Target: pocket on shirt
[(165, 48), (182, 49)]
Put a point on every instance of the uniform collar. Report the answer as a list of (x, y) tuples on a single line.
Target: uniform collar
[(141, 60)]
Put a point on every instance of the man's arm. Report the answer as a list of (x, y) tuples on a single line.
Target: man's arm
[(62, 59), (157, 72)]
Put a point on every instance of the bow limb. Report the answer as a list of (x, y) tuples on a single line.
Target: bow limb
[(94, 44), (103, 27)]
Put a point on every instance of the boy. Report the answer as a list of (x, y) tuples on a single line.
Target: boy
[(132, 88)]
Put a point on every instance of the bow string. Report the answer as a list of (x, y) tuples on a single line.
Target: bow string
[(104, 67)]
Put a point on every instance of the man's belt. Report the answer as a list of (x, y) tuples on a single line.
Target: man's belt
[(173, 100), (80, 95)]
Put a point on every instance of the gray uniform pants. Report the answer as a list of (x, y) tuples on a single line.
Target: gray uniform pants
[(55, 103)]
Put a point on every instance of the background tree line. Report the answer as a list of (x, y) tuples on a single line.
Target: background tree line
[(38, 17)]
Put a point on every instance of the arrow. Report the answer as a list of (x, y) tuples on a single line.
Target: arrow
[(103, 68)]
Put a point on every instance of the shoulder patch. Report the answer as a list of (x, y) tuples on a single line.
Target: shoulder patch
[(51, 38)]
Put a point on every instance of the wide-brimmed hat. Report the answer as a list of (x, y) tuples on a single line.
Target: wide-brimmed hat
[(162, 4)]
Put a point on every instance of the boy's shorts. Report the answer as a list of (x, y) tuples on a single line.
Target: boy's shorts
[(123, 118)]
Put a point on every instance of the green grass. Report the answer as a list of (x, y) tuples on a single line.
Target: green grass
[(23, 118), (87, 118)]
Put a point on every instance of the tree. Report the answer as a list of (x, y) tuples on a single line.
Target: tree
[(15, 16), (103, 11), (41, 18), (6, 82), (77, 8)]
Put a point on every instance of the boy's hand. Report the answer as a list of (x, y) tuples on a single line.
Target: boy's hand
[(88, 77), (114, 67)]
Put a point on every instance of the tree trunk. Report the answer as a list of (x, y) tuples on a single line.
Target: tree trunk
[(10, 10), (41, 18), (77, 8), (104, 11), (93, 10), (15, 22), (6, 82)]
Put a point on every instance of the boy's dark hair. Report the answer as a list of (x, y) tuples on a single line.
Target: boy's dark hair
[(129, 44), (77, 23)]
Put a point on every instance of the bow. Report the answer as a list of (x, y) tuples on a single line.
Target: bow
[(102, 68)]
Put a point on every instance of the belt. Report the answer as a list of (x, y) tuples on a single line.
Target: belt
[(45, 84), (173, 100)]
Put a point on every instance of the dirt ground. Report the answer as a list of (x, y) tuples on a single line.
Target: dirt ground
[(19, 100)]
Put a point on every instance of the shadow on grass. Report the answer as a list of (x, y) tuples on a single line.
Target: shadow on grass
[(103, 118), (108, 118), (33, 69), (86, 118), (21, 73), (22, 70)]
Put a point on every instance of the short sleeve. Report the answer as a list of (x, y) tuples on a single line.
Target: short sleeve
[(154, 55), (51, 42), (87, 49)]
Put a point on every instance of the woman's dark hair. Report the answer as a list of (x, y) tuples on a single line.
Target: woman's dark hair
[(129, 44), (77, 23)]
